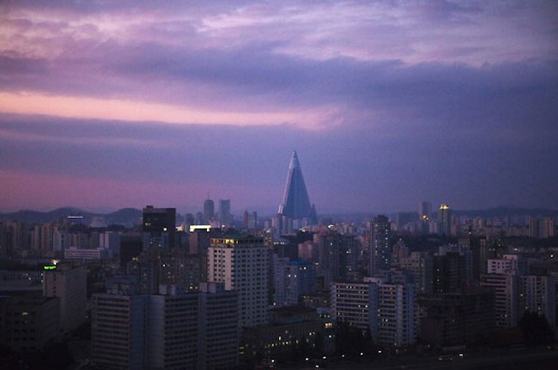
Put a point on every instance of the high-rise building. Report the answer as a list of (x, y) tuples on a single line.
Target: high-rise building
[(171, 338), (542, 228), (396, 307), (425, 209), (146, 270), (219, 332), (356, 304), (47, 233), (15, 238), (486, 251), (308, 251), (118, 330), (131, 246), (60, 241), (420, 266), (385, 308), (506, 297), (548, 227), (291, 280), (533, 227), (454, 319), (337, 257), (444, 220), (242, 263), (180, 269), (198, 243), (250, 220), (449, 273), (208, 210), (225, 216), (41, 239), (295, 204), (538, 294), (169, 330), (379, 247), (159, 227), (399, 252), (508, 264), (68, 282), (425, 214)]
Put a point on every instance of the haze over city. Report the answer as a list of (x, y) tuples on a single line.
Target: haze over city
[(110, 105)]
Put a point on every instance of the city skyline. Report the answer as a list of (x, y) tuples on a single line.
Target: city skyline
[(235, 185), (388, 104)]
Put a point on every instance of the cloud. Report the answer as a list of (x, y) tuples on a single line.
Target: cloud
[(115, 109), (387, 102), (358, 169), (222, 63)]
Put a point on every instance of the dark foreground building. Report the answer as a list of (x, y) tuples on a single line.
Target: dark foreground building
[(453, 319), (171, 330)]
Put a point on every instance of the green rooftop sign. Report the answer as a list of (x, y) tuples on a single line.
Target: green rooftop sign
[(49, 267)]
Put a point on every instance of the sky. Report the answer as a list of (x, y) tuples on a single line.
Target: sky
[(105, 105)]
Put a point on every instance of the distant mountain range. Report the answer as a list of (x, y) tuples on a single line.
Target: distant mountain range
[(132, 216), (124, 216), (508, 211)]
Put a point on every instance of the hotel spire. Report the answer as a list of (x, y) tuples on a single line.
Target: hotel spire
[(296, 204)]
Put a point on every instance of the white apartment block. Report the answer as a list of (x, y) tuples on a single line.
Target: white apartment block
[(356, 304), (242, 264), (509, 264), (387, 310), (396, 313)]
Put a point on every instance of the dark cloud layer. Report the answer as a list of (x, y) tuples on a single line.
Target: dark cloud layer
[(345, 168)]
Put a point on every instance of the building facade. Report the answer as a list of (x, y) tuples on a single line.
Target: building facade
[(385, 309), (68, 282), (506, 297), (242, 264), (170, 330)]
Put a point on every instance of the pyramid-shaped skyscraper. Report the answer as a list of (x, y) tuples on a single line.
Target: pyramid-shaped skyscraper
[(296, 203)]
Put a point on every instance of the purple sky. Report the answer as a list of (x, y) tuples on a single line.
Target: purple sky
[(109, 105)]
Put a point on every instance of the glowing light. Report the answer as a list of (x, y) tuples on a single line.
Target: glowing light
[(200, 227)]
